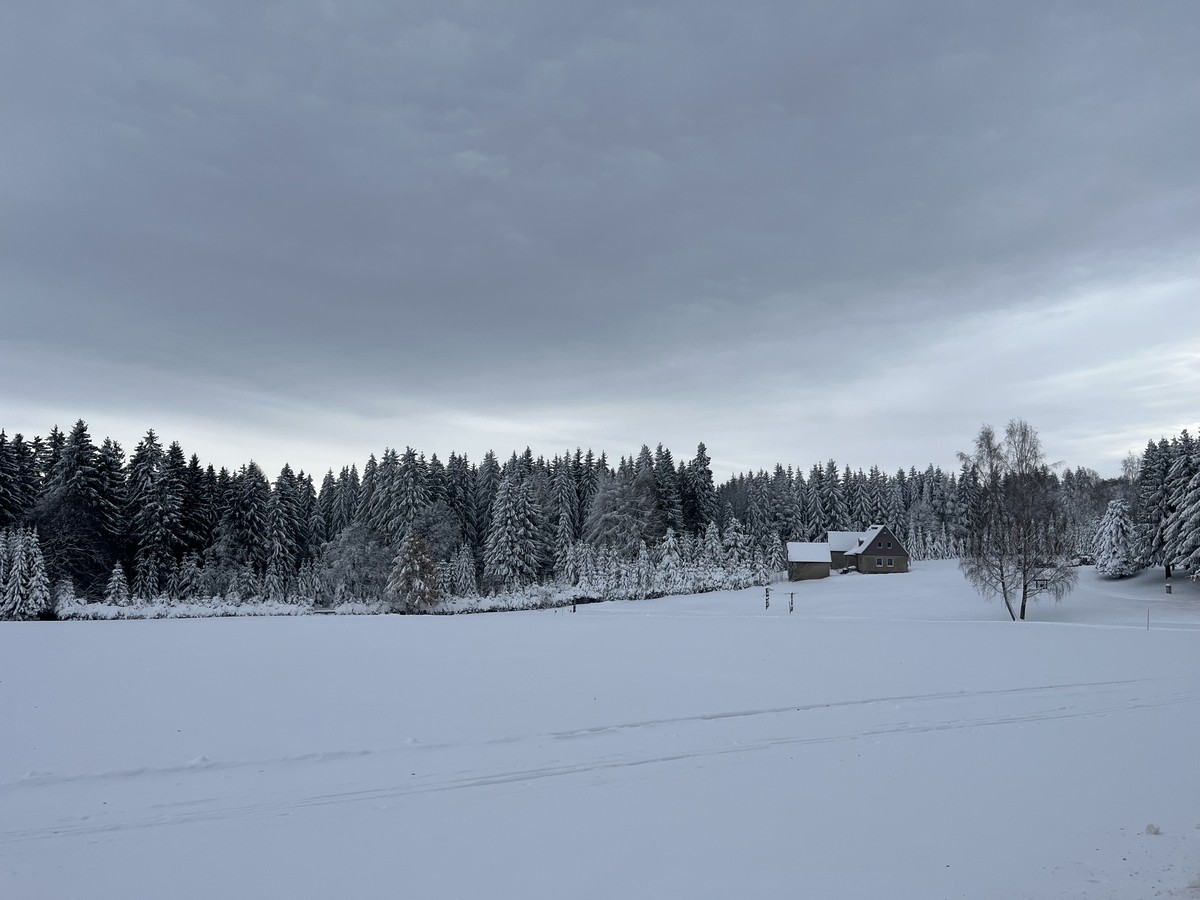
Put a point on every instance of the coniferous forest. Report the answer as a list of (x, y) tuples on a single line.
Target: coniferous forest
[(86, 529)]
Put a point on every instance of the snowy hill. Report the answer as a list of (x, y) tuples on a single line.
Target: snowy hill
[(893, 737)]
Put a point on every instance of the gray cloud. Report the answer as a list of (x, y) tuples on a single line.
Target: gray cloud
[(337, 225)]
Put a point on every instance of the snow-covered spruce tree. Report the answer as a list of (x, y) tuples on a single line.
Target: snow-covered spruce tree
[(643, 574), (412, 586), (570, 572), (409, 496), (305, 587), (699, 496), (72, 513), (14, 589), (443, 577), (66, 603), (245, 528), (1115, 542), (739, 556), (833, 499), (462, 573), (602, 578), (510, 556), (1185, 466), (117, 590), (4, 555), (187, 578), (773, 553), (245, 585), (1153, 512), (153, 513), (585, 568), (710, 549), (146, 582), (668, 574), (564, 549), (40, 601), (760, 573), (710, 559), (616, 515), (284, 523), (1188, 550), (735, 543), (26, 592), (274, 587)]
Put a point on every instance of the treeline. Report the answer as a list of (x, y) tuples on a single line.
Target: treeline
[(1166, 510), (1155, 522), (411, 529)]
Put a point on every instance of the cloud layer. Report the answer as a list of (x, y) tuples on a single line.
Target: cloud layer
[(309, 230)]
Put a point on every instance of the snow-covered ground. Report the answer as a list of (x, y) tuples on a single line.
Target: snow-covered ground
[(893, 737)]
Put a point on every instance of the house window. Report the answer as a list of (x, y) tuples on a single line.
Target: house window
[(889, 545), (878, 563), (878, 544), (891, 563)]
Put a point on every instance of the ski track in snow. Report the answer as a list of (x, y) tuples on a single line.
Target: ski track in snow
[(204, 764), (1070, 701)]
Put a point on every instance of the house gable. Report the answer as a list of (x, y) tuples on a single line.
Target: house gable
[(879, 551)]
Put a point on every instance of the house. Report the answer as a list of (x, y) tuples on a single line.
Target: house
[(878, 551), (807, 561), (874, 551)]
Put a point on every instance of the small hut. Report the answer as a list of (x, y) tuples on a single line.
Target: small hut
[(807, 561)]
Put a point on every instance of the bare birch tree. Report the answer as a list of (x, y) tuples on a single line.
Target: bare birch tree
[(1016, 546)]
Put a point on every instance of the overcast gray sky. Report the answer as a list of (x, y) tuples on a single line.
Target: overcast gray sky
[(793, 230)]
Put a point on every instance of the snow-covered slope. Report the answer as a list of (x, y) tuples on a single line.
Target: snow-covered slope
[(893, 737)]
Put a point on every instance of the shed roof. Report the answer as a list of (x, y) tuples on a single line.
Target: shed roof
[(801, 552)]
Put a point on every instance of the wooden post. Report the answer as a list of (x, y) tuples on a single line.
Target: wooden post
[(1168, 585), (572, 604), (791, 603), (768, 601)]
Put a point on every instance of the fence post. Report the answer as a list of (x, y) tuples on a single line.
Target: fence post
[(768, 601), (791, 603)]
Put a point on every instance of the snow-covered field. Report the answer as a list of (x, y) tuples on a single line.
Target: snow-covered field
[(894, 737)]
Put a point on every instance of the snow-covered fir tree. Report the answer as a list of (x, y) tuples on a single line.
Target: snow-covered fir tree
[(274, 586), (39, 600), (669, 575), (14, 589), (187, 578), (116, 591), (1115, 543), (412, 585), (1187, 551), (462, 573), (5, 557), (511, 558), (25, 593)]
